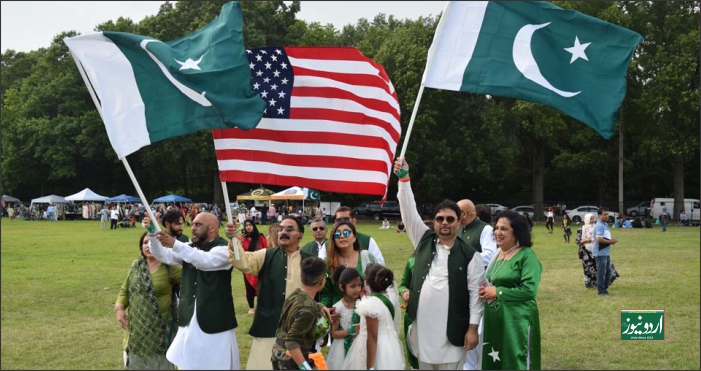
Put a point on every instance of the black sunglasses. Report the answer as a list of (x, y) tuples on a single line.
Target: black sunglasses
[(343, 219), (449, 219), (289, 229), (322, 228)]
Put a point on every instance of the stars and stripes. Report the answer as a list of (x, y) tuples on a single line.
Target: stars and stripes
[(331, 122)]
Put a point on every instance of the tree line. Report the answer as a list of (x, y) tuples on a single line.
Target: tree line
[(488, 149)]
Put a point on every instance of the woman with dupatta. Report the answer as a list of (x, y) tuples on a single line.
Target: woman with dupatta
[(511, 320), (146, 308)]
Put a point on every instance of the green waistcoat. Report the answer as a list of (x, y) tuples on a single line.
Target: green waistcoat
[(183, 238), (312, 248), (212, 292), (472, 232), (363, 240), (271, 292), (458, 303)]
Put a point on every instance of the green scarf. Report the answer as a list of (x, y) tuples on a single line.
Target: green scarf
[(149, 336), (348, 340)]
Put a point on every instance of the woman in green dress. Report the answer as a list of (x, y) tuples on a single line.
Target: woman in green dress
[(146, 308), (511, 320)]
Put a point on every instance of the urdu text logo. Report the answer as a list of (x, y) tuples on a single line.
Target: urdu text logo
[(642, 324)]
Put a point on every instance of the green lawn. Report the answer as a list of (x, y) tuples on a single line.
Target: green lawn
[(60, 281)]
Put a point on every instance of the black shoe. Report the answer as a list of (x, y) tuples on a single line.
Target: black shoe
[(604, 294)]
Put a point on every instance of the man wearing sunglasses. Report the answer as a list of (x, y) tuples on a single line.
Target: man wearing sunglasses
[(446, 270), (346, 214), (318, 246), (279, 275)]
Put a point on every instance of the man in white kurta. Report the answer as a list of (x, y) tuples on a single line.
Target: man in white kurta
[(192, 348), (435, 352)]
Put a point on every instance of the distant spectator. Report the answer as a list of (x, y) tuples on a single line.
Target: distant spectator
[(400, 227), (484, 213), (528, 219), (385, 224), (628, 223), (683, 219), (637, 223)]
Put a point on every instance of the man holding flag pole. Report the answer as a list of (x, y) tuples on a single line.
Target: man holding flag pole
[(147, 90), (533, 51)]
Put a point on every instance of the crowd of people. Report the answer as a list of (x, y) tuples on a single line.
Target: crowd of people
[(468, 293)]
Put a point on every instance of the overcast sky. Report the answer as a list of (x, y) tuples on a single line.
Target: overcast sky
[(29, 25)]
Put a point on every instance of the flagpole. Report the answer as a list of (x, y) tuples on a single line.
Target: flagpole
[(429, 62), (154, 221), (230, 216)]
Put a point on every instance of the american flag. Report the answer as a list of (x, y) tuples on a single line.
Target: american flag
[(332, 123)]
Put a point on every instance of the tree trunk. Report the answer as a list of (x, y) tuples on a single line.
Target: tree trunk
[(538, 182), (678, 162)]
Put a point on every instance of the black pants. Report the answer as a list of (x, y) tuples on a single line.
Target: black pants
[(113, 223), (250, 293)]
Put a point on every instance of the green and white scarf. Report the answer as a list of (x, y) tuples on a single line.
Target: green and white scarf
[(149, 336)]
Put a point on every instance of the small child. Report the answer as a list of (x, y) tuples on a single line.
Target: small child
[(295, 335), (376, 327), (344, 331)]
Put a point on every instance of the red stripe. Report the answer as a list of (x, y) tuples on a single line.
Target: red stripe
[(326, 53), (337, 162), (311, 138), (357, 79), (373, 104), (321, 185)]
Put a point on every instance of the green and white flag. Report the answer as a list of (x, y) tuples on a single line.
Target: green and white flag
[(150, 90), (534, 51)]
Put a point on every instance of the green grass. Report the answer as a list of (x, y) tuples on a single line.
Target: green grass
[(60, 281)]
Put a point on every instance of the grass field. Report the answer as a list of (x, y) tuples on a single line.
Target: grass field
[(60, 281)]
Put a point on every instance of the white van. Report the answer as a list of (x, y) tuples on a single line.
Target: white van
[(692, 207)]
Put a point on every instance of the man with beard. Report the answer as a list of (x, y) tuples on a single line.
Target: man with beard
[(173, 220), (206, 337), (446, 270), (279, 275)]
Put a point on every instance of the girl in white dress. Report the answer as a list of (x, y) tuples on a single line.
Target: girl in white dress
[(343, 333), (376, 327)]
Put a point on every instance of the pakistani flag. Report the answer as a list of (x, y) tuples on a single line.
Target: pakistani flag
[(534, 51), (151, 90)]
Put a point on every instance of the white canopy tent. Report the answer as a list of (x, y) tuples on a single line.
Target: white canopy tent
[(296, 193), (86, 195), (50, 199)]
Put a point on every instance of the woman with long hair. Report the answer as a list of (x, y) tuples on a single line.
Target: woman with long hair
[(146, 308), (251, 240), (511, 319), (272, 234), (343, 249)]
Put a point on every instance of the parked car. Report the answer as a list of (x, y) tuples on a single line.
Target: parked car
[(389, 209), (577, 214), (640, 209), (527, 209), (495, 208)]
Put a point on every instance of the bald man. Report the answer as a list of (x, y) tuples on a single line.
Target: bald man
[(480, 236), (206, 339)]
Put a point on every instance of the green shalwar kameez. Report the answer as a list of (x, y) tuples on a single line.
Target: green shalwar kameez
[(512, 330)]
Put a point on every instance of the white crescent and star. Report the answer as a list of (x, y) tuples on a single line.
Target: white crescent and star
[(527, 65), (193, 95), (189, 64)]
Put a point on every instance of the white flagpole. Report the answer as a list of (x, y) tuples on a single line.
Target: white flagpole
[(229, 216), (429, 62), (154, 221)]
